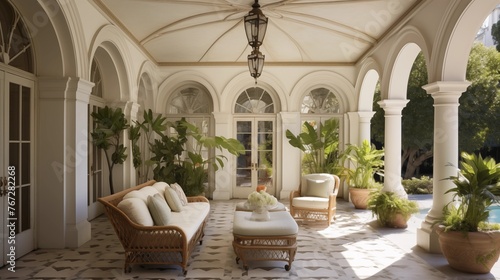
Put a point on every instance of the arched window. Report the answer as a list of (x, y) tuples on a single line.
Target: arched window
[(254, 100), (15, 44), (190, 100), (320, 101)]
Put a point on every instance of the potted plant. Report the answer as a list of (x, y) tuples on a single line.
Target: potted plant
[(109, 124), (363, 163), (391, 210), (467, 240), (179, 158), (320, 147)]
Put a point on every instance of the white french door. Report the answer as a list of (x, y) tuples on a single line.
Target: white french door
[(256, 166), (95, 168), (17, 187)]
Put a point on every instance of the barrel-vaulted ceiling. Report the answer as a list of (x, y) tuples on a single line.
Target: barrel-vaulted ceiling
[(310, 31)]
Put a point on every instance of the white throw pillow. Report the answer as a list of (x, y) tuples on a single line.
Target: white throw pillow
[(137, 211), (318, 188), (173, 200), (160, 187), (180, 192), (158, 207)]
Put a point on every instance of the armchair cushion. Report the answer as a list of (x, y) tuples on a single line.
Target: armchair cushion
[(318, 188), (310, 202)]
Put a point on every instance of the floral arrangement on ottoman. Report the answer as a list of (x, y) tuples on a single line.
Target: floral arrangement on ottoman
[(260, 202)]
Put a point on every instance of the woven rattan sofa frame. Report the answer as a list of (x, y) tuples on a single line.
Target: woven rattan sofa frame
[(151, 244), (316, 214)]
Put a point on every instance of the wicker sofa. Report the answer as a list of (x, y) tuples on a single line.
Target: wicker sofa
[(169, 244)]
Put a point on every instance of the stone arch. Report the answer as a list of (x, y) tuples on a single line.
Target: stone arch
[(50, 33), (108, 48), (366, 83), (330, 80), (455, 41), (146, 83), (396, 74)]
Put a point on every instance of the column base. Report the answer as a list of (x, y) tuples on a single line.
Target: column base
[(428, 239), (221, 195), (77, 234)]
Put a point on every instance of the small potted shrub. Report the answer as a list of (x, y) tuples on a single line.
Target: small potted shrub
[(467, 240), (365, 161), (391, 210)]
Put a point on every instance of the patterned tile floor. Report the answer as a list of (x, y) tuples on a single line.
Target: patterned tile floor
[(353, 247)]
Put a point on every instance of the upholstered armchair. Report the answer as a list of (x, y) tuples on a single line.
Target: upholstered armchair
[(316, 197)]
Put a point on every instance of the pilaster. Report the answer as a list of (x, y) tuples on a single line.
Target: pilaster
[(290, 156), (224, 180)]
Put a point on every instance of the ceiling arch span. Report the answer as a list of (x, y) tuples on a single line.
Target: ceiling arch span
[(394, 80), (146, 91), (369, 75), (110, 40), (331, 80), (454, 42), (241, 81), (180, 79)]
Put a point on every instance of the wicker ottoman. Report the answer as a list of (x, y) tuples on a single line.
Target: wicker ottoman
[(273, 240)]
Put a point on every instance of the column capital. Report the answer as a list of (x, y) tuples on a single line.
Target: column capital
[(222, 118), (446, 92), (393, 106), (365, 116)]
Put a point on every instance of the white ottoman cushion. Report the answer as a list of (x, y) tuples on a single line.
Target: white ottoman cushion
[(281, 223)]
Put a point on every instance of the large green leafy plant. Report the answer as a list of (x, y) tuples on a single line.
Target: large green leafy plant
[(179, 157), (366, 161), (321, 148), (109, 124), (472, 194)]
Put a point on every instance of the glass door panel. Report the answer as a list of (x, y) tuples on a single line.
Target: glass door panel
[(96, 169), (17, 165), (255, 166)]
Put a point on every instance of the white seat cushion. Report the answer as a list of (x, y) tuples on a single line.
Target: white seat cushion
[(190, 219), (310, 202), (281, 223)]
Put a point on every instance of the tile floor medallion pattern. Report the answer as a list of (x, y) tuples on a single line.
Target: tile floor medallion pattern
[(352, 247)]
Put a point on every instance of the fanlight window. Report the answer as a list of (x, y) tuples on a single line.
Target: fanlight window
[(190, 100), (15, 44), (320, 101), (254, 100)]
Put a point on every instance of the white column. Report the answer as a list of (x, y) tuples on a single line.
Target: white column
[(290, 156), (62, 162), (364, 125), (392, 146), (446, 96), (224, 178)]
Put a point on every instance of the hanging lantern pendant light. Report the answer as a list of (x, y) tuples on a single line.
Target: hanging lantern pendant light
[(255, 26), (255, 29), (255, 63)]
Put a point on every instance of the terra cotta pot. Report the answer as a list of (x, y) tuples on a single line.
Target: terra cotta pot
[(472, 252)]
